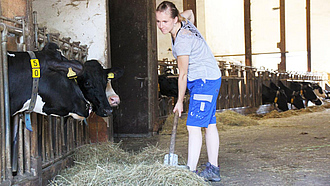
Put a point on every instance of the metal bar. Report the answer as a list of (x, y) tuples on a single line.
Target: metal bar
[(14, 146), (10, 20), (2, 117), (20, 170), (260, 53), (4, 38)]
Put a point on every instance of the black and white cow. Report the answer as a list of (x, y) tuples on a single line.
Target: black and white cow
[(57, 94), (306, 92), (275, 95), (293, 97), (168, 84)]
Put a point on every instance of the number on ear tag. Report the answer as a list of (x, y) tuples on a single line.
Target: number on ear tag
[(35, 73), (111, 75), (35, 63)]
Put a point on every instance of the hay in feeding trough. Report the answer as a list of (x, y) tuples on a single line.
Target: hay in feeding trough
[(289, 113), (231, 118), (108, 164)]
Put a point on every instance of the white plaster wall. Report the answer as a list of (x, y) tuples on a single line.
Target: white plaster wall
[(82, 20)]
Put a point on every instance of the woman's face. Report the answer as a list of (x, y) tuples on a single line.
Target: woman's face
[(164, 21)]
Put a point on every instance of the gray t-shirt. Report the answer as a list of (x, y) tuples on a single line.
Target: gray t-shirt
[(202, 64)]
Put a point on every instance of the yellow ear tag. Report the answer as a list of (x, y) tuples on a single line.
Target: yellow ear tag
[(292, 100), (111, 75), (71, 73), (275, 101)]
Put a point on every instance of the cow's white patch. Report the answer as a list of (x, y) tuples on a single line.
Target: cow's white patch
[(11, 55), (76, 116), (112, 97), (38, 106)]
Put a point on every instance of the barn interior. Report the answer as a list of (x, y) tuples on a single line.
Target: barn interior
[(254, 42)]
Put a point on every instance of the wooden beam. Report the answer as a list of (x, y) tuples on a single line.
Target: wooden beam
[(308, 32), (247, 32), (190, 4), (282, 66)]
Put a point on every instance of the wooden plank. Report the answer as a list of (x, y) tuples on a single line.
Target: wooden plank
[(27, 150), (50, 132)]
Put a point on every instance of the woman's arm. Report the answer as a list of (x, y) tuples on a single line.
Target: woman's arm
[(189, 14), (183, 62)]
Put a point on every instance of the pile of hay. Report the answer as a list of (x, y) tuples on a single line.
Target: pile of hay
[(289, 113), (108, 164), (231, 118)]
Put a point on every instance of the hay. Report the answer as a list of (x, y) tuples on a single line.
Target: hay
[(108, 164), (289, 113), (232, 118)]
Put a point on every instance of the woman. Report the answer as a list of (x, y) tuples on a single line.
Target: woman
[(198, 70)]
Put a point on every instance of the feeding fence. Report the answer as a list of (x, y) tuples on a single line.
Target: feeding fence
[(241, 86), (34, 157)]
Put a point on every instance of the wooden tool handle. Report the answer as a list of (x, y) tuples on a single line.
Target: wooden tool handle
[(175, 125)]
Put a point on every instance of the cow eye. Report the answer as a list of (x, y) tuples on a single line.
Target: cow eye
[(87, 84)]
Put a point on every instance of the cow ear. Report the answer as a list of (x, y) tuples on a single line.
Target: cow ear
[(273, 86), (69, 67), (114, 73)]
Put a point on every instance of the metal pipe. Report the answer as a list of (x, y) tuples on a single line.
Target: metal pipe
[(2, 119), (4, 38), (35, 25), (10, 20)]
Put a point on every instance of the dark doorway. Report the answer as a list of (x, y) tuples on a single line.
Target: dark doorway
[(134, 48)]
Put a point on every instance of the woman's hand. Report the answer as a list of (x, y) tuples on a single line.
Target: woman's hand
[(178, 108)]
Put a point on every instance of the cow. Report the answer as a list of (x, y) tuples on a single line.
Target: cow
[(275, 95), (95, 83), (293, 97), (168, 84), (306, 92), (57, 94)]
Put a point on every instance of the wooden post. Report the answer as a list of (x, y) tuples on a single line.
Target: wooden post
[(282, 66), (247, 32), (308, 32), (190, 4)]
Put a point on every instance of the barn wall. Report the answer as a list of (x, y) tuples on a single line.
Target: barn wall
[(12, 9), (82, 20)]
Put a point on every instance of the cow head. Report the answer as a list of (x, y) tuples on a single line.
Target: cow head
[(293, 97), (297, 100), (274, 94), (94, 82), (280, 97)]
